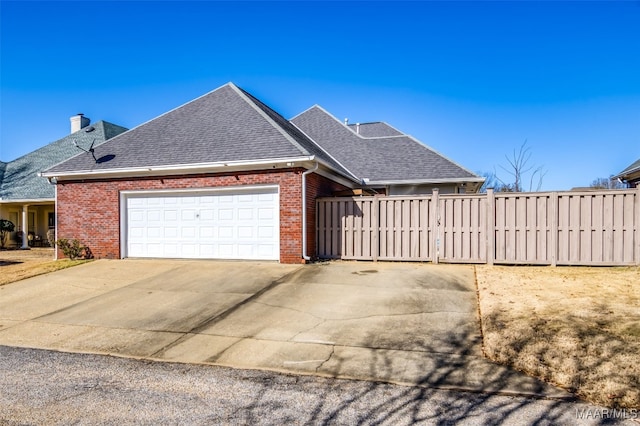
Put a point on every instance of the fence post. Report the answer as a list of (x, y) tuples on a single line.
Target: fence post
[(435, 225), (375, 222), (554, 228), (490, 230)]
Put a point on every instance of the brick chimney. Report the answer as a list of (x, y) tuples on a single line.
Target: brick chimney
[(78, 122)]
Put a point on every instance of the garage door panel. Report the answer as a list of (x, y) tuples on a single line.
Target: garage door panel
[(188, 232), (167, 249), (155, 250), (266, 250), (189, 250), (154, 215), (136, 249), (245, 214), (170, 215), (265, 232), (206, 232), (227, 225), (245, 232), (225, 251), (225, 232), (207, 214), (245, 251), (266, 214), (225, 214), (170, 232), (187, 215), (208, 251), (155, 232)]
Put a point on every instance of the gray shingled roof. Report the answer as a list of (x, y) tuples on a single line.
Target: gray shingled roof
[(226, 124), (20, 180), (303, 140), (635, 167), (380, 159), (374, 130), (230, 125)]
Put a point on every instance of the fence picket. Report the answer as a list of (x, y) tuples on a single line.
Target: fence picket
[(566, 228)]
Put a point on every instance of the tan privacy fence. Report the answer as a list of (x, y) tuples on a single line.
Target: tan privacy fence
[(547, 228)]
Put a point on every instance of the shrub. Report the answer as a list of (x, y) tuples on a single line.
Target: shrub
[(6, 226), (72, 249)]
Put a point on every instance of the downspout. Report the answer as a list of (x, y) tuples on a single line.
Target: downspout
[(55, 223), (304, 212)]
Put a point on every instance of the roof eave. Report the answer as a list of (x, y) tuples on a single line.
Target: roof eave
[(424, 181), (221, 167), (186, 169), (27, 200), (628, 174)]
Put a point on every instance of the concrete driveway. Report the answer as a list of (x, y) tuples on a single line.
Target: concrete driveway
[(404, 323)]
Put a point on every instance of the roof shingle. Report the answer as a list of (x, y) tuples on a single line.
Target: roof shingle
[(379, 159), (226, 124), (230, 125), (20, 179)]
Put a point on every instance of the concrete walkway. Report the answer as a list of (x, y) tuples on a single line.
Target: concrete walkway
[(411, 324)]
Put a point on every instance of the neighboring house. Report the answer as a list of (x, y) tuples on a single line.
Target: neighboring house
[(631, 175), (28, 199), (225, 176)]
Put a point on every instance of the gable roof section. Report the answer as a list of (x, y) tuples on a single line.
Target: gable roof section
[(20, 179), (225, 125), (633, 168), (302, 139), (386, 159)]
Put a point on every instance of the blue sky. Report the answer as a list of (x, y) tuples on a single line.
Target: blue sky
[(471, 80)]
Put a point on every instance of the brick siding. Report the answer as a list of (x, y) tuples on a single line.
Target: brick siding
[(90, 210), (317, 186)]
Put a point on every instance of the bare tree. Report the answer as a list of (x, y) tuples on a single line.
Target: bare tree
[(521, 170), (490, 181), (607, 183)]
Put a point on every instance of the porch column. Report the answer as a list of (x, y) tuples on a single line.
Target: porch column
[(25, 227)]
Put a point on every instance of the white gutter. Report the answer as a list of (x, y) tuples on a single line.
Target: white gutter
[(221, 167), (179, 169), (55, 225), (304, 211), (423, 181)]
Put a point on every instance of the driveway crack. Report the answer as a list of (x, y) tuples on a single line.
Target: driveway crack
[(290, 309), (292, 339), (333, 350)]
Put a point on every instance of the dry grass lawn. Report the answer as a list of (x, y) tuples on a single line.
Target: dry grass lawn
[(575, 327), (16, 265)]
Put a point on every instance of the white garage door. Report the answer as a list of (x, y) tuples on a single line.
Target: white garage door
[(229, 224)]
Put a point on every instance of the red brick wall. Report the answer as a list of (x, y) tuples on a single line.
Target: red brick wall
[(317, 186), (90, 210)]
